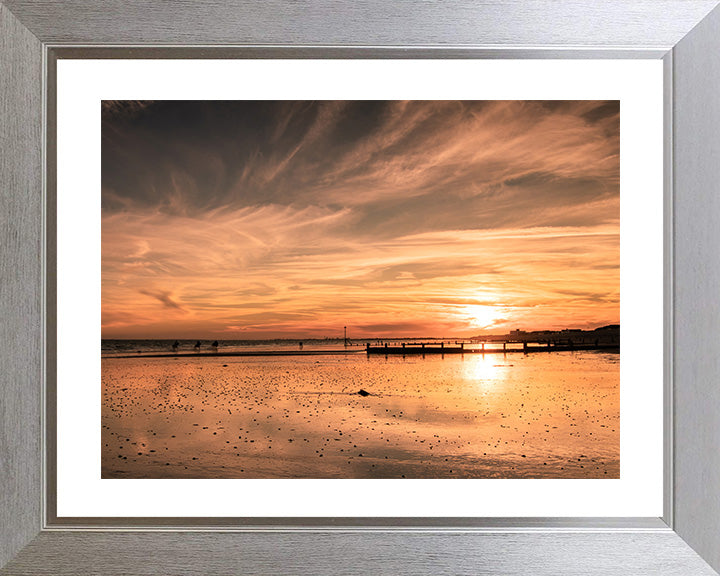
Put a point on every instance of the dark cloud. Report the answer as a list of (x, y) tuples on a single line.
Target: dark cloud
[(115, 109), (394, 163), (604, 110), (164, 297)]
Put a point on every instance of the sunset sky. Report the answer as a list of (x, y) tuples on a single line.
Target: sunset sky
[(239, 220)]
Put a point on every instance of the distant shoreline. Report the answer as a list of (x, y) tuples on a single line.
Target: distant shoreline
[(356, 350)]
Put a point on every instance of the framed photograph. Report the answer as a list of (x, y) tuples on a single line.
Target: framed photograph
[(355, 318), (274, 301)]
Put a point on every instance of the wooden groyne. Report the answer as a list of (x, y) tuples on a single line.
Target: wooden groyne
[(480, 348)]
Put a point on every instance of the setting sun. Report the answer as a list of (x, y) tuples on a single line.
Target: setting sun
[(483, 316)]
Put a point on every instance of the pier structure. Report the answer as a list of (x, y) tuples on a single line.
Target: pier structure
[(405, 348)]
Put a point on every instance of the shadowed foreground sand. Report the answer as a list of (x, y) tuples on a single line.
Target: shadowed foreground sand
[(536, 416)]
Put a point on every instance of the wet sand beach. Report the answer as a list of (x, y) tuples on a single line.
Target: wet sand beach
[(515, 416)]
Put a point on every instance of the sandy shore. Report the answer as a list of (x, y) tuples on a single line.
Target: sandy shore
[(540, 416)]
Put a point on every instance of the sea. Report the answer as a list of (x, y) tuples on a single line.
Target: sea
[(111, 348)]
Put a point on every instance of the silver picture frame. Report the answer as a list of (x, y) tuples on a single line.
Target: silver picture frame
[(684, 34)]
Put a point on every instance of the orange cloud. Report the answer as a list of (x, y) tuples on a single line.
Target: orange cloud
[(394, 219)]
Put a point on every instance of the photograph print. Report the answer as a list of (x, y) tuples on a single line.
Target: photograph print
[(360, 289)]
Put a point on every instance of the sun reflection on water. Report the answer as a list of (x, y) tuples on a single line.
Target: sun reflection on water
[(485, 369)]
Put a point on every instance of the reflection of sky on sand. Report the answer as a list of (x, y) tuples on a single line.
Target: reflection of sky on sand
[(553, 415)]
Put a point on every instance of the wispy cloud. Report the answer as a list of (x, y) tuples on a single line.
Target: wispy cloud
[(272, 218), (164, 298)]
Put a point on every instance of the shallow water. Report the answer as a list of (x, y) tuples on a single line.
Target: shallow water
[(553, 415)]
